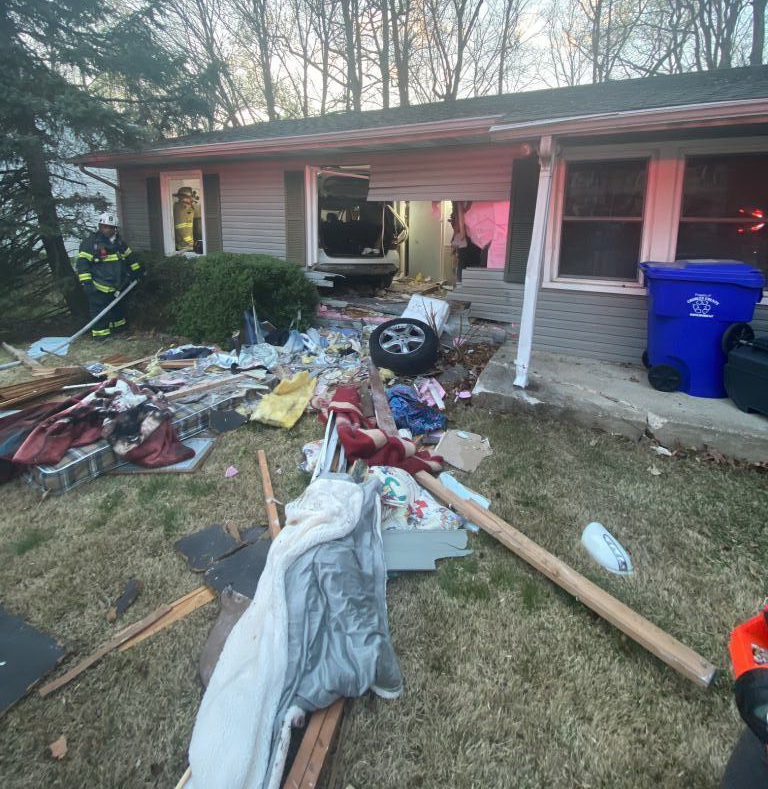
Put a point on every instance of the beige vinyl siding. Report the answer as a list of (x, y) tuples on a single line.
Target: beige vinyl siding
[(478, 173), (606, 326), (253, 207)]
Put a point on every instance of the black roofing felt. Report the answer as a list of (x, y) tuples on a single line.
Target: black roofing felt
[(553, 103)]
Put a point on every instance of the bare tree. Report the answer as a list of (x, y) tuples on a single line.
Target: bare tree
[(402, 16), (717, 30), (257, 20), (758, 32), (197, 27), (564, 62), (449, 25)]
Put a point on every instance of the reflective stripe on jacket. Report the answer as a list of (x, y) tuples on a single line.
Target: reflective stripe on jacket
[(105, 263)]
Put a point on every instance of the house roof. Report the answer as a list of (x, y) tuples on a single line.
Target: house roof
[(728, 85)]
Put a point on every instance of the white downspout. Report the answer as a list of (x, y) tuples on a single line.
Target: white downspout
[(534, 263)]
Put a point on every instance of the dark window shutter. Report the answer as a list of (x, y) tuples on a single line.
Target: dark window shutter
[(212, 204), (295, 227), (155, 211), (525, 185)]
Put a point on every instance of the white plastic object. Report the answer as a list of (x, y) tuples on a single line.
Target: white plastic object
[(605, 549), (433, 312)]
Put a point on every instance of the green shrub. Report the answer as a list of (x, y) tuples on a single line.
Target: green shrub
[(150, 306), (223, 285)]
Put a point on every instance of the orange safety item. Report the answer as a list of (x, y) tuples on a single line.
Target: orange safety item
[(749, 655)]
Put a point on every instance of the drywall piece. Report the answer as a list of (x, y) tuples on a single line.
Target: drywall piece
[(200, 446), (605, 549), (416, 550), (202, 549), (26, 656), (433, 312), (241, 570), (463, 450)]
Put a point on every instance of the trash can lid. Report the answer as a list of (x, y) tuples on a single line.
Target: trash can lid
[(733, 272)]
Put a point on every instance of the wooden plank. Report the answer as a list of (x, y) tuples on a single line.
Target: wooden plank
[(384, 418), (124, 366), (654, 639), (273, 519), (22, 357), (176, 610), (202, 387), (317, 741), (121, 638), (184, 778)]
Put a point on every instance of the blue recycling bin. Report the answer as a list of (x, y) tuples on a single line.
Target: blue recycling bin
[(690, 305)]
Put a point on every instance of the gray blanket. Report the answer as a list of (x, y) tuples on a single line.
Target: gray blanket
[(316, 631)]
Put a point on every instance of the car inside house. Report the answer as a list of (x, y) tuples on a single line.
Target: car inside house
[(357, 237)]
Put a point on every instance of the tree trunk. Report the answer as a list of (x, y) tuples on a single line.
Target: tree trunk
[(354, 91), (758, 32), (384, 58), (64, 278)]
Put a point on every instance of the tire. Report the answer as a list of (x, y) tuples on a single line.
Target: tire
[(735, 335), (404, 345), (664, 378), (646, 360)]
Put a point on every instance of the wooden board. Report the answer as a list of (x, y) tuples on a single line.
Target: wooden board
[(315, 745), (654, 639), (384, 418), (121, 638), (177, 610), (206, 385), (273, 518)]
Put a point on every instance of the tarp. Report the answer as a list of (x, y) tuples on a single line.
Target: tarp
[(316, 631)]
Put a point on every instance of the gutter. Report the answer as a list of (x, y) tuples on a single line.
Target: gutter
[(711, 113), (401, 133)]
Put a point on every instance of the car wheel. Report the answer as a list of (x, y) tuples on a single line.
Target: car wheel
[(404, 345)]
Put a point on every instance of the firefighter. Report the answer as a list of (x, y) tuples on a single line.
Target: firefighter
[(105, 265), (184, 219)]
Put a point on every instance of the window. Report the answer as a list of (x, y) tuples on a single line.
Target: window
[(602, 223), (183, 212), (725, 199)]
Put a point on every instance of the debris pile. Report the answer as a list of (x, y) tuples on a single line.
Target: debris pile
[(303, 621)]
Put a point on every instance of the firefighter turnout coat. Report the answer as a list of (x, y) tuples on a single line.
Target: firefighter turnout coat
[(106, 264)]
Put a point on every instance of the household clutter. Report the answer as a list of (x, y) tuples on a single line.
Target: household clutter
[(303, 622)]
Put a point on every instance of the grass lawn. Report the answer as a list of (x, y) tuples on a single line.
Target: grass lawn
[(509, 682)]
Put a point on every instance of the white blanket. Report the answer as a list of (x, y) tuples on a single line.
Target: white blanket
[(242, 729)]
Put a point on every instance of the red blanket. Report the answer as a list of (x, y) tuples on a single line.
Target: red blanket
[(361, 438), (136, 423)]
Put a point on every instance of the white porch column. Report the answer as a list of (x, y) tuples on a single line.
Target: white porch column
[(535, 262), (311, 217)]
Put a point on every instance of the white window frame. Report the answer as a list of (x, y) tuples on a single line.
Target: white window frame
[(551, 276), (663, 202), (169, 242)]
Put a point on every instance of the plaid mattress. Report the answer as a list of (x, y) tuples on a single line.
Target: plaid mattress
[(88, 462)]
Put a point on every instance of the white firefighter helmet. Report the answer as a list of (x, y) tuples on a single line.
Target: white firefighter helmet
[(108, 218)]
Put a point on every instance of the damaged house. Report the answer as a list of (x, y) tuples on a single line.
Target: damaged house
[(550, 197)]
